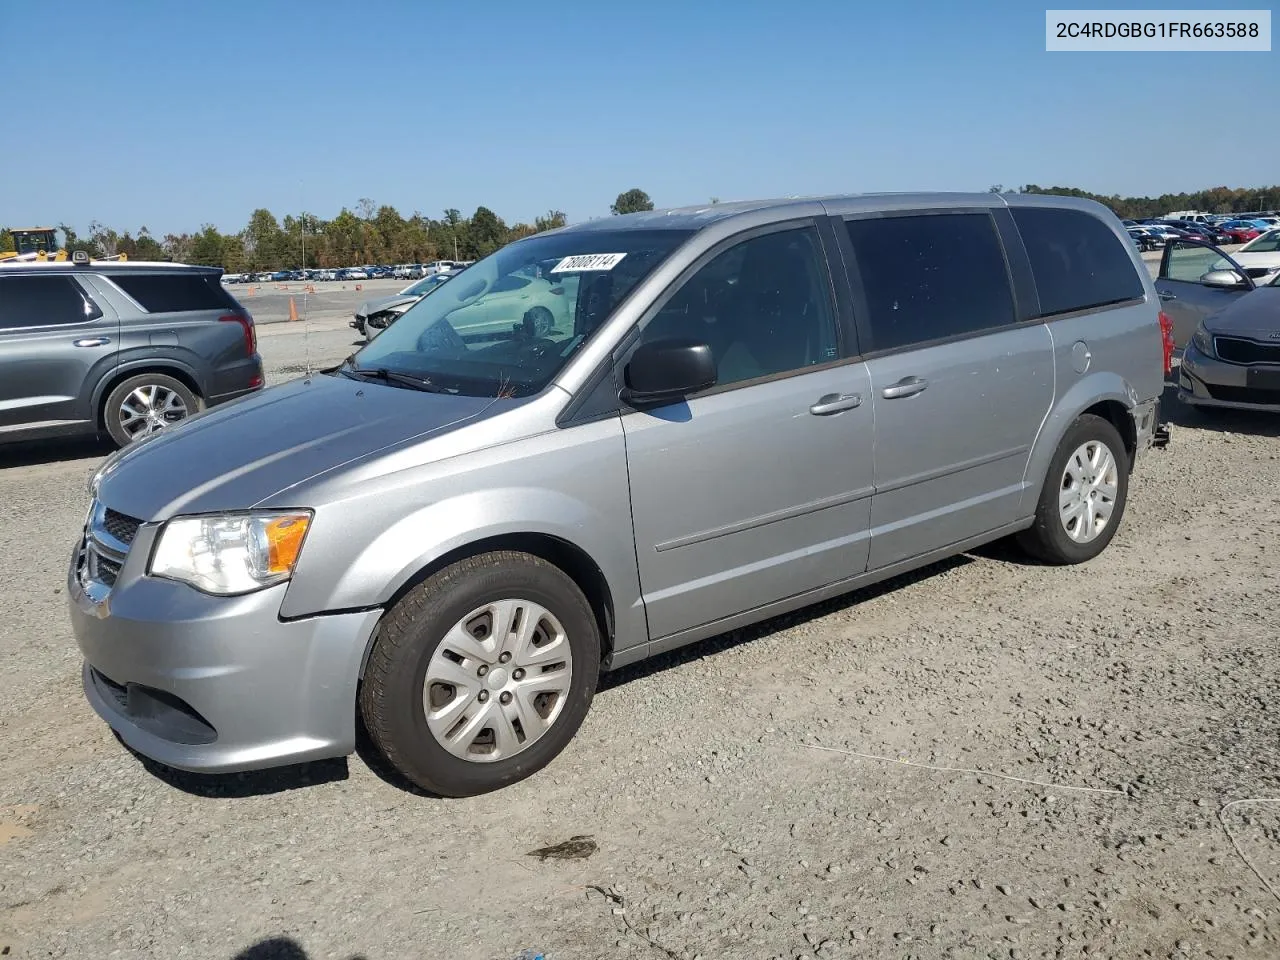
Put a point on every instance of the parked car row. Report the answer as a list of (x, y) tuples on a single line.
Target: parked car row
[(372, 271), (1154, 233)]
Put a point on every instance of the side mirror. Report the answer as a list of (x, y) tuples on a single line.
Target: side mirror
[(667, 370), (1228, 279)]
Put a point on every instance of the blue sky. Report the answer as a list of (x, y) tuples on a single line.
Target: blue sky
[(173, 114)]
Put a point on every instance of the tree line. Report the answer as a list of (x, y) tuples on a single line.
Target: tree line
[(371, 233), (1212, 200), (380, 234)]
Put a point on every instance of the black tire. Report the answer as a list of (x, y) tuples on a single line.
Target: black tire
[(1047, 538), (391, 694), (112, 416), (538, 322)]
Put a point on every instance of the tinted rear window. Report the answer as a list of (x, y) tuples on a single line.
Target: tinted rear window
[(175, 292), (931, 277), (1077, 261), (32, 301)]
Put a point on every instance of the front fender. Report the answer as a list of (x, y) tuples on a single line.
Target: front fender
[(1086, 392), (363, 550)]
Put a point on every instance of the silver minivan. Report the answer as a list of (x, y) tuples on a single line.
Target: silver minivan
[(742, 409)]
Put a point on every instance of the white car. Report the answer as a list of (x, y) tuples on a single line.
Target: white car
[(541, 306), (1261, 255), (357, 275)]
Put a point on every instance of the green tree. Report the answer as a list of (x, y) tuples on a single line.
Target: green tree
[(206, 247), (487, 233), (6, 241), (631, 201), (265, 244), (551, 220), (344, 235), (147, 247)]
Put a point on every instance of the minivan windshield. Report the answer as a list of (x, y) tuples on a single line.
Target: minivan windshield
[(509, 323)]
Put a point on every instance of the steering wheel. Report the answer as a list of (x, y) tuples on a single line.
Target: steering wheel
[(441, 336)]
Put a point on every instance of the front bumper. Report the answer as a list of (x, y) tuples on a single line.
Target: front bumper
[(216, 684), (1205, 381)]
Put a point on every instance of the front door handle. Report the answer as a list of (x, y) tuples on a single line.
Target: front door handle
[(834, 403), (91, 342), (1168, 296), (906, 387)]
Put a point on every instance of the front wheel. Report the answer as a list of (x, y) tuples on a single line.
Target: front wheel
[(1084, 495), (482, 674)]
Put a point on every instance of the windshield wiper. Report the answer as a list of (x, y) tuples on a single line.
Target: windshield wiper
[(391, 377)]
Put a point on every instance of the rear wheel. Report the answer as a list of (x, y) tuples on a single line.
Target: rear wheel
[(482, 674), (145, 404), (1084, 495)]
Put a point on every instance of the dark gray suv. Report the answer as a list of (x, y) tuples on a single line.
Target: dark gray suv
[(121, 348)]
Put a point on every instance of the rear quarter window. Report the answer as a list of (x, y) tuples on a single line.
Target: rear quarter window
[(175, 292), (1077, 261)]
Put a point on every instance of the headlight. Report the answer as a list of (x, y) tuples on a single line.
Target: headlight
[(230, 554), (1203, 341)]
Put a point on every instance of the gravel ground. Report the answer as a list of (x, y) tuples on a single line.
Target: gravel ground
[(1086, 726)]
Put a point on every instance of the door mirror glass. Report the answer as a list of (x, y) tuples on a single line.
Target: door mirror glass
[(1224, 278), (663, 371)]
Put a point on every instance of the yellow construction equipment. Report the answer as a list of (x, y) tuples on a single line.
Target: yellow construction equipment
[(38, 244)]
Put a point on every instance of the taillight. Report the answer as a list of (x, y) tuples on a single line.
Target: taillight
[(250, 334), (1166, 337)]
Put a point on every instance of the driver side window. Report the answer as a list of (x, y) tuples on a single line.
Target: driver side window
[(1190, 263), (763, 306)]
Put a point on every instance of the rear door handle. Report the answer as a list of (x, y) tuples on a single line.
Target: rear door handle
[(834, 403), (1168, 296), (91, 342), (906, 387)]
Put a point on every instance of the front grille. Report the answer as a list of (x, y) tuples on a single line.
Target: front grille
[(108, 536), (1243, 394), (119, 526), (104, 569), (1240, 350)]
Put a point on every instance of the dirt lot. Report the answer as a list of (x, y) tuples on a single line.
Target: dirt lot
[(1116, 709)]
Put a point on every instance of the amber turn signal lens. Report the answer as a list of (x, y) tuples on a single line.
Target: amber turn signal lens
[(284, 541)]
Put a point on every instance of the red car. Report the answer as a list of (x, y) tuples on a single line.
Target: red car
[(1241, 234)]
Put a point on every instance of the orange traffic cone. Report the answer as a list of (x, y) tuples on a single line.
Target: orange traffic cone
[(293, 309)]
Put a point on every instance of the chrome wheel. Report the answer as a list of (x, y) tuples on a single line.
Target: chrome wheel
[(1087, 497), (498, 680), (150, 407)]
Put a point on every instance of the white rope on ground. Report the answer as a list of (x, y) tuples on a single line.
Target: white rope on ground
[(966, 770), (1235, 844)]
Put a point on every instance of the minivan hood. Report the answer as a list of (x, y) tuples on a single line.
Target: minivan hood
[(1255, 315), (370, 307), (236, 456)]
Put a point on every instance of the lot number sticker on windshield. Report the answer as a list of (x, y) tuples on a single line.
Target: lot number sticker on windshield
[(588, 261)]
